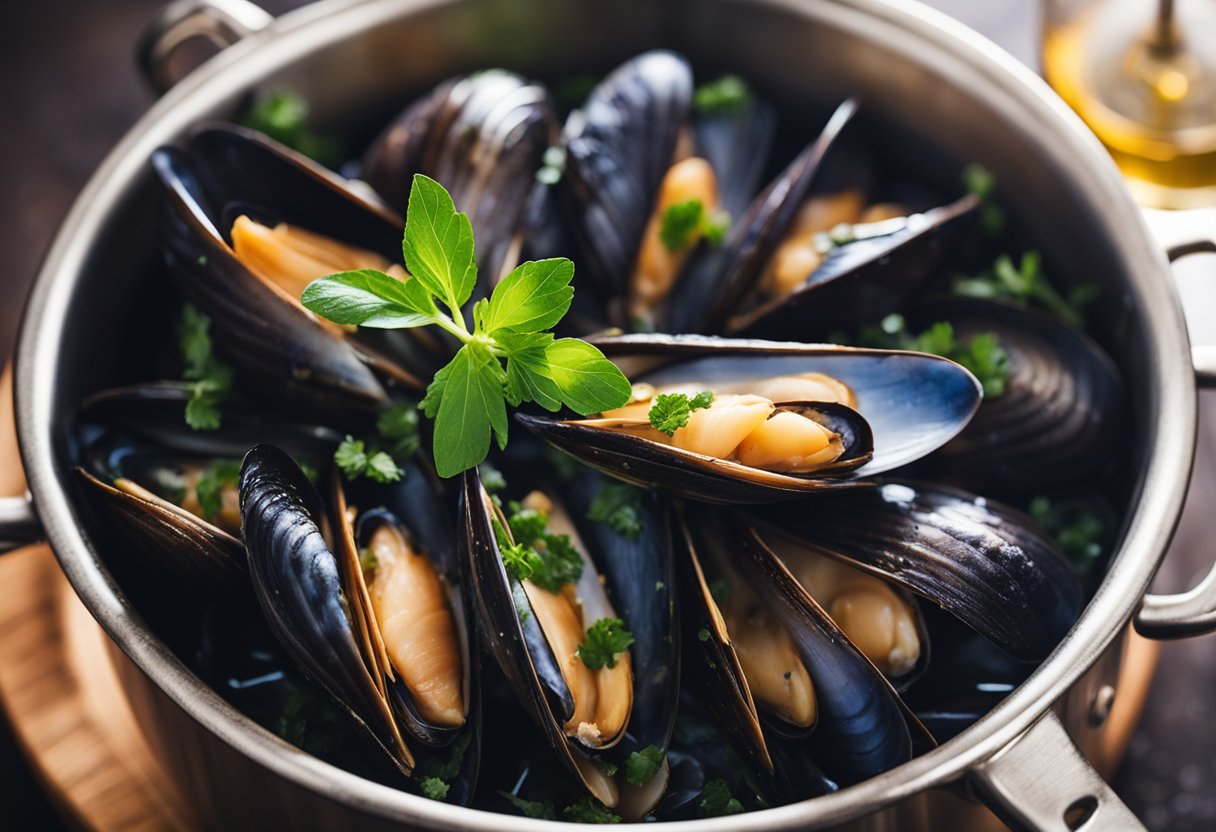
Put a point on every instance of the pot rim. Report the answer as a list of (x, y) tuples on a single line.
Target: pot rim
[(909, 28)]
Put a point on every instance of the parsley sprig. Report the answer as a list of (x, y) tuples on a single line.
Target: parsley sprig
[(548, 560), (620, 506), (283, 116), (686, 222), (642, 766), (982, 355), (356, 460), (728, 94), (1025, 283), (716, 800), (606, 639), (467, 399), (671, 411), (211, 379), (219, 474)]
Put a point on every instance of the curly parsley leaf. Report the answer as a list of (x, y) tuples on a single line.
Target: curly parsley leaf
[(605, 640), (433, 787), (467, 398), (620, 506), (211, 379), (671, 411), (716, 800), (356, 460), (642, 766)]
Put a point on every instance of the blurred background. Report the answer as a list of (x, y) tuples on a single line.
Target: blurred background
[(71, 91)]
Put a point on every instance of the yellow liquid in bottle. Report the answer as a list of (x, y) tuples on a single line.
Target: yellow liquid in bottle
[(1154, 108)]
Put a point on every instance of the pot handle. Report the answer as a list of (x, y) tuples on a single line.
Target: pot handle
[(222, 22), (19, 525), (1193, 612), (1042, 782)]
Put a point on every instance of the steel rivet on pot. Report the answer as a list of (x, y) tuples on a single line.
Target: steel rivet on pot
[(1101, 706)]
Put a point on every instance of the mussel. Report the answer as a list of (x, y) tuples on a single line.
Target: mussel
[(371, 611), (251, 224), (537, 626), (906, 404), (482, 137)]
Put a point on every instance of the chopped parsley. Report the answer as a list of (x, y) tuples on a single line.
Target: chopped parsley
[(641, 766), (620, 506), (604, 641), (979, 180), (728, 94), (686, 222), (1025, 283), (356, 460), (716, 800), (211, 379), (548, 560), (219, 474), (398, 426), (433, 787), (983, 355), (589, 810), (1075, 526), (671, 411), (283, 116), (531, 808)]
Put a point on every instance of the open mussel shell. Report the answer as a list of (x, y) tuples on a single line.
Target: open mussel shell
[(860, 729), (619, 146), (1060, 414), (266, 334), (298, 582), (638, 569), (154, 411), (910, 403), (736, 144), (864, 280), (482, 137), (988, 565), (719, 279)]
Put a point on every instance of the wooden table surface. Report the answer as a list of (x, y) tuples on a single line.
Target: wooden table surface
[(70, 90)]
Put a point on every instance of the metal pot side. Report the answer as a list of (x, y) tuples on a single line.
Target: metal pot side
[(913, 67)]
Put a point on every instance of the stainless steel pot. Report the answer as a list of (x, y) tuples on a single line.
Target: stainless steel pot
[(916, 69)]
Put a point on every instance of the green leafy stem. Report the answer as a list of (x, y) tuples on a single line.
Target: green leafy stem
[(510, 356)]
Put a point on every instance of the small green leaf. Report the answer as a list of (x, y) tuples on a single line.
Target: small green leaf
[(471, 406), (728, 94), (589, 810), (531, 808), (398, 425), (366, 297), (680, 224), (642, 766), (671, 411), (433, 787), (438, 243), (382, 468), (716, 800), (532, 298), (218, 475), (620, 506), (589, 383), (605, 640)]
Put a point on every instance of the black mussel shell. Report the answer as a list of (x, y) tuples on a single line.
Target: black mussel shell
[(619, 146), (1059, 416), (908, 404), (736, 145), (298, 582), (718, 280), (866, 279), (482, 137), (985, 563)]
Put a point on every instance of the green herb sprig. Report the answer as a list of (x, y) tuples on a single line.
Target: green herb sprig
[(605, 640), (356, 460), (210, 378), (686, 222), (1025, 283), (283, 116), (620, 506), (219, 474), (533, 553), (642, 766), (671, 411), (467, 399), (716, 800), (979, 180), (589, 810), (982, 355), (728, 94)]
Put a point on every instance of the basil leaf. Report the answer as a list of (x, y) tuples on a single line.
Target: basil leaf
[(589, 383), (366, 297), (438, 243), (532, 298)]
